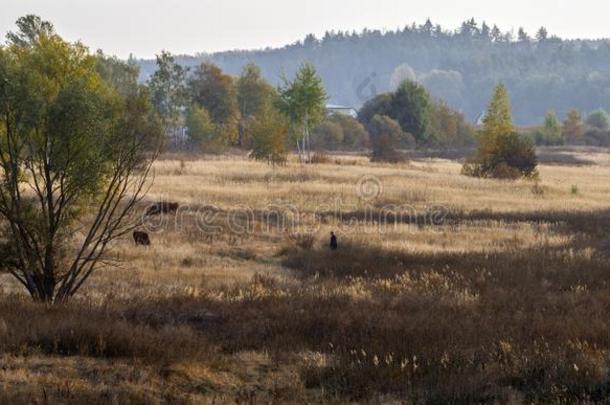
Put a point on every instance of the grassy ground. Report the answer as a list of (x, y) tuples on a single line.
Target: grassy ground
[(444, 289)]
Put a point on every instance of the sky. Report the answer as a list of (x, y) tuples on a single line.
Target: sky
[(144, 27)]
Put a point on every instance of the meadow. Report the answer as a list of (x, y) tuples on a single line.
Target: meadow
[(444, 289)]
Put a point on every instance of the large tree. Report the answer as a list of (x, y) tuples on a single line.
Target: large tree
[(215, 91), (74, 159), (269, 132), (573, 127), (386, 137), (254, 95), (599, 120), (123, 76), (168, 93), (302, 101), (499, 117), (411, 107), (202, 131)]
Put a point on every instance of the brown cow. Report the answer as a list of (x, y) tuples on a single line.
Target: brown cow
[(141, 238), (162, 208)]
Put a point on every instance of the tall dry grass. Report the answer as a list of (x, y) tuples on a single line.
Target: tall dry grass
[(505, 299)]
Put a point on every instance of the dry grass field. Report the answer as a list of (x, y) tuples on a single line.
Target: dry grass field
[(444, 289)]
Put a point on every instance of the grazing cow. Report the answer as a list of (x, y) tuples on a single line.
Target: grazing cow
[(141, 238), (162, 208)]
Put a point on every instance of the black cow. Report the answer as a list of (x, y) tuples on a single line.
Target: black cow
[(141, 238), (162, 208)]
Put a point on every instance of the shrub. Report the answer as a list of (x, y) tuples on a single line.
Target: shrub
[(386, 137), (510, 157), (598, 119), (502, 152)]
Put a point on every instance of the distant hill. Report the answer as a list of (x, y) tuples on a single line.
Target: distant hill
[(461, 67)]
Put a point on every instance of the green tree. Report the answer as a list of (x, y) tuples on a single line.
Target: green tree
[(202, 131), (598, 119), (502, 152), (74, 159), (552, 130), (378, 105), (386, 138), (168, 93), (215, 91), (123, 76), (573, 128), (355, 135), (30, 29), (254, 95), (302, 101), (449, 128), (498, 118), (269, 137), (411, 107), (328, 135)]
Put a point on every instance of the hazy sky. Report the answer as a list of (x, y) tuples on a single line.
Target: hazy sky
[(143, 27)]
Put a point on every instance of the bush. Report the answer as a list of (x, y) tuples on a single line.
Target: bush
[(597, 137), (386, 137), (508, 157)]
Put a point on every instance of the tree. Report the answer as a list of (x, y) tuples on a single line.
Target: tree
[(254, 95), (550, 133), (496, 34), (498, 118), (269, 132), (215, 91), (502, 153), (355, 135), (123, 76), (378, 105), (449, 128), (523, 36), (201, 130), (573, 128), (485, 32), (302, 101), (411, 107), (30, 29), (386, 137), (168, 93), (327, 135), (599, 120), (74, 160), (542, 34)]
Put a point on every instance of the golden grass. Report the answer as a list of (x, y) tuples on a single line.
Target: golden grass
[(505, 298)]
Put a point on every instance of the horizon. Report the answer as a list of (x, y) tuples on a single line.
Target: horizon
[(205, 27)]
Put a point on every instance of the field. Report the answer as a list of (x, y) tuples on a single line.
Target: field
[(444, 289)]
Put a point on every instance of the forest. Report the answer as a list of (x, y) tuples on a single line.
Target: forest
[(461, 66)]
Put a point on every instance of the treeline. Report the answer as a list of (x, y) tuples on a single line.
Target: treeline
[(461, 66), (205, 109), (592, 130)]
